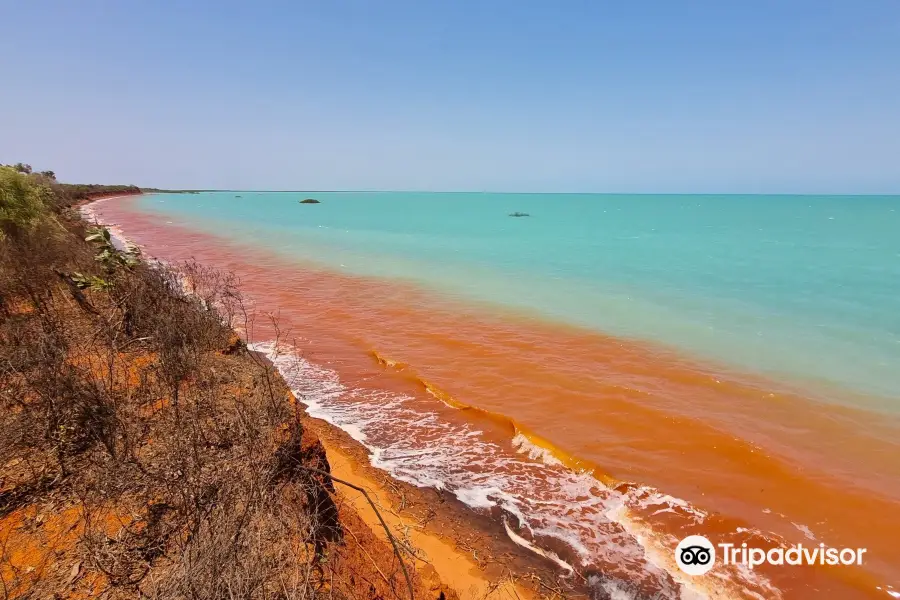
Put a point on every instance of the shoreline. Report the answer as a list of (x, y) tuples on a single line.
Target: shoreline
[(208, 253), (456, 548), (84, 208), (468, 553)]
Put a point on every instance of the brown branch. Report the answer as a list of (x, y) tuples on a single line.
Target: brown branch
[(369, 556), (380, 519)]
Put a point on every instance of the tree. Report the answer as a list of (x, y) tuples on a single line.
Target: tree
[(49, 174), (22, 168)]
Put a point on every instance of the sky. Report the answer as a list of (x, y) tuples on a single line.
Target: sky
[(705, 96)]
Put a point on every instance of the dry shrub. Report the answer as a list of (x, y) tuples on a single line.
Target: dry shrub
[(135, 400)]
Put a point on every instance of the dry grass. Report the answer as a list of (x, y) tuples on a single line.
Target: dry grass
[(144, 452)]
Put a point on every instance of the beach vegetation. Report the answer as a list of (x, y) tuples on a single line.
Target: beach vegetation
[(71, 193), (107, 253), (23, 201), (163, 191), (144, 450), (93, 282)]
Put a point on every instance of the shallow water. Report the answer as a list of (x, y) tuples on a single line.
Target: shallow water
[(806, 287), (644, 376)]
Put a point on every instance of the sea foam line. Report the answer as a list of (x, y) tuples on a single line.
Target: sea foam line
[(495, 480)]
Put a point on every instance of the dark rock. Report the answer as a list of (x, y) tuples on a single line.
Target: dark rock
[(309, 201), (519, 214)]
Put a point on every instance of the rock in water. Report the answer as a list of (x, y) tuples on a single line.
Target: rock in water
[(309, 201), (519, 214)]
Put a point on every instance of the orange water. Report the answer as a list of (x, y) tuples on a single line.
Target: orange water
[(761, 462)]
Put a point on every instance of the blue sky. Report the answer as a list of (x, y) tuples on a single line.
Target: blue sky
[(643, 96)]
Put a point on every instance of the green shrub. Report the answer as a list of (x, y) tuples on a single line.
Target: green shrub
[(23, 201)]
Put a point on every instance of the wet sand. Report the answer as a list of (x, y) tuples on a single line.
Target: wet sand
[(474, 559)]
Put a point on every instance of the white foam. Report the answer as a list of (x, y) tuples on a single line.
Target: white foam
[(615, 592), (535, 452), (805, 531), (528, 486), (477, 497), (545, 553)]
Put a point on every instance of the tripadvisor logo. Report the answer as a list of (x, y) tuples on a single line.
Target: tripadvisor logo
[(696, 555)]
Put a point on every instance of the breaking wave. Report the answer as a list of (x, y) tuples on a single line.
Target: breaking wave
[(620, 537)]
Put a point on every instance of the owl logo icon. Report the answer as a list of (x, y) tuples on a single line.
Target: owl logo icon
[(695, 555)]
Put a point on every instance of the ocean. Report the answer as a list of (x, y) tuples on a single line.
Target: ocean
[(604, 375)]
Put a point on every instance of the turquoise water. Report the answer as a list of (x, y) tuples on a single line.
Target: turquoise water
[(802, 288)]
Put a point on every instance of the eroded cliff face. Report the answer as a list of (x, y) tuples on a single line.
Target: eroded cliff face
[(144, 450)]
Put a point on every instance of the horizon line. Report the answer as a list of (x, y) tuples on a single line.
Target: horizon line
[(413, 191)]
